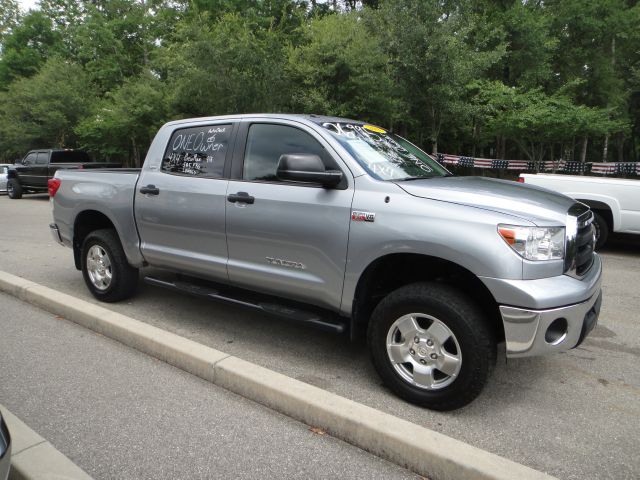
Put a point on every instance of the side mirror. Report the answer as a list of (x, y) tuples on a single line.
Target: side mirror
[(306, 167)]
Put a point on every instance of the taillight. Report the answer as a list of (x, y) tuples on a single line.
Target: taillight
[(53, 184), (520, 179)]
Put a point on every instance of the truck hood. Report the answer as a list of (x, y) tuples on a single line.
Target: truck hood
[(534, 204)]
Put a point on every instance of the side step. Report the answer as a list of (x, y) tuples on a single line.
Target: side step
[(319, 319)]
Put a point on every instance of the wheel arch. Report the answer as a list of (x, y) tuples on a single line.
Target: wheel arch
[(392, 271), (86, 222), (608, 209)]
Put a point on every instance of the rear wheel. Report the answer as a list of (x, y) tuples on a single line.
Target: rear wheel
[(431, 345), (14, 189), (105, 268)]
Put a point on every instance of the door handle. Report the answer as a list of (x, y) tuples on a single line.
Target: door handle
[(150, 189), (241, 197)]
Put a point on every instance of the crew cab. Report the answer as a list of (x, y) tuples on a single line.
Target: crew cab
[(30, 175), (615, 202), (344, 226)]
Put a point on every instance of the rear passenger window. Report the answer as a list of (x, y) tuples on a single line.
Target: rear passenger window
[(198, 151), (267, 142)]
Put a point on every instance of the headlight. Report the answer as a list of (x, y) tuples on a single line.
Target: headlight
[(534, 243)]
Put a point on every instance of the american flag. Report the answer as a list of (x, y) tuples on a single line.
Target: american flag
[(603, 168), (467, 162), (626, 168), (560, 166), (574, 167)]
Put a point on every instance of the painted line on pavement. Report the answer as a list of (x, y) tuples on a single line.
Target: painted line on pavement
[(417, 448)]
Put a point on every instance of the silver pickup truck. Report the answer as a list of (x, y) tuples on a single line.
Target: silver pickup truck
[(343, 226)]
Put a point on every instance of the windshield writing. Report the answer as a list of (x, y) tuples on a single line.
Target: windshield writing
[(385, 156)]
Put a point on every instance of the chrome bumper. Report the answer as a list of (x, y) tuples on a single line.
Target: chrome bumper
[(55, 233), (530, 332)]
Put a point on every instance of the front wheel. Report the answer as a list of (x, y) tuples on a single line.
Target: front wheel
[(105, 268), (14, 189), (431, 345)]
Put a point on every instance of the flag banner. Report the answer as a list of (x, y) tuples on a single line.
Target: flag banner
[(555, 166)]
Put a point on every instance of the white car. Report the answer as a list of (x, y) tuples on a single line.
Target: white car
[(614, 201), (4, 169)]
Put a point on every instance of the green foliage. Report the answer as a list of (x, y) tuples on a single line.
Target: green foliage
[(125, 121), (341, 69), (41, 111), (9, 18), (510, 79), (225, 67), (27, 47)]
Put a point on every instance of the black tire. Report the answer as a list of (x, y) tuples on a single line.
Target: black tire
[(14, 189), (123, 281), (470, 330), (602, 230)]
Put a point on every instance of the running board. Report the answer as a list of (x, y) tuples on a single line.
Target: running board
[(323, 321)]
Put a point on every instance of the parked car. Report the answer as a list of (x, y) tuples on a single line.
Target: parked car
[(5, 450), (615, 202), (4, 170), (30, 175), (347, 227)]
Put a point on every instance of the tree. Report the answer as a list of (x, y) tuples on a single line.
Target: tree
[(41, 111), (27, 47), (9, 18), (432, 61), (225, 67), (341, 69), (124, 123)]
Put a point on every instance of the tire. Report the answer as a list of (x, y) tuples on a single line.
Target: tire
[(14, 189), (447, 325), (602, 230), (105, 268)]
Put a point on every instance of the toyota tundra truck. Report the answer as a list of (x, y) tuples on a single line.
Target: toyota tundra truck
[(344, 226)]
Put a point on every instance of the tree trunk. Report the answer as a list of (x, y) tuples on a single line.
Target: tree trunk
[(583, 153), (605, 148), (620, 139), (136, 159)]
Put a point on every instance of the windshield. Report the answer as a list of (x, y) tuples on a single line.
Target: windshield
[(383, 155)]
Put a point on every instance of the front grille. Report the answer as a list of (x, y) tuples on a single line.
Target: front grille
[(580, 245)]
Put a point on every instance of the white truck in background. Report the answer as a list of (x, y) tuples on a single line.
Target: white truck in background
[(614, 201)]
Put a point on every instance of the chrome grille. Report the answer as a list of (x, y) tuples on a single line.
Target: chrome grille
[(580, 240)]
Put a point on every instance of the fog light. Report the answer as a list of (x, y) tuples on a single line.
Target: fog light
[(557, 331)]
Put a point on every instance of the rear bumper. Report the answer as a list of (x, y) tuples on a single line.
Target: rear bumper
[(55, 233), (538, 331)]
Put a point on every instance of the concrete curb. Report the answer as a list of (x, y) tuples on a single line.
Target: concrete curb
[(33, 458), (419, 449)]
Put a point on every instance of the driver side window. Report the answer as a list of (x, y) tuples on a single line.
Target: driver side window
[(267, 142)]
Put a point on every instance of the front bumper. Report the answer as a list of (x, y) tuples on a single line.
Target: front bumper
[(538, 331), (5, 450)]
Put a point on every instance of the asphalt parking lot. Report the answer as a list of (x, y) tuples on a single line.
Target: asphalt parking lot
[(574, 415), (118, 413)]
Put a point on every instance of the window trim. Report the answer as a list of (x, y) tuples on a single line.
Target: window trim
[(227, 155), (237, 165)]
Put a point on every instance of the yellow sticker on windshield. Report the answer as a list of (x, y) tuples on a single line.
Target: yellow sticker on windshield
[(372, 128)]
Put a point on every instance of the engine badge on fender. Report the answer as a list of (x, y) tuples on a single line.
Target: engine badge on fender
[(363, 216)]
